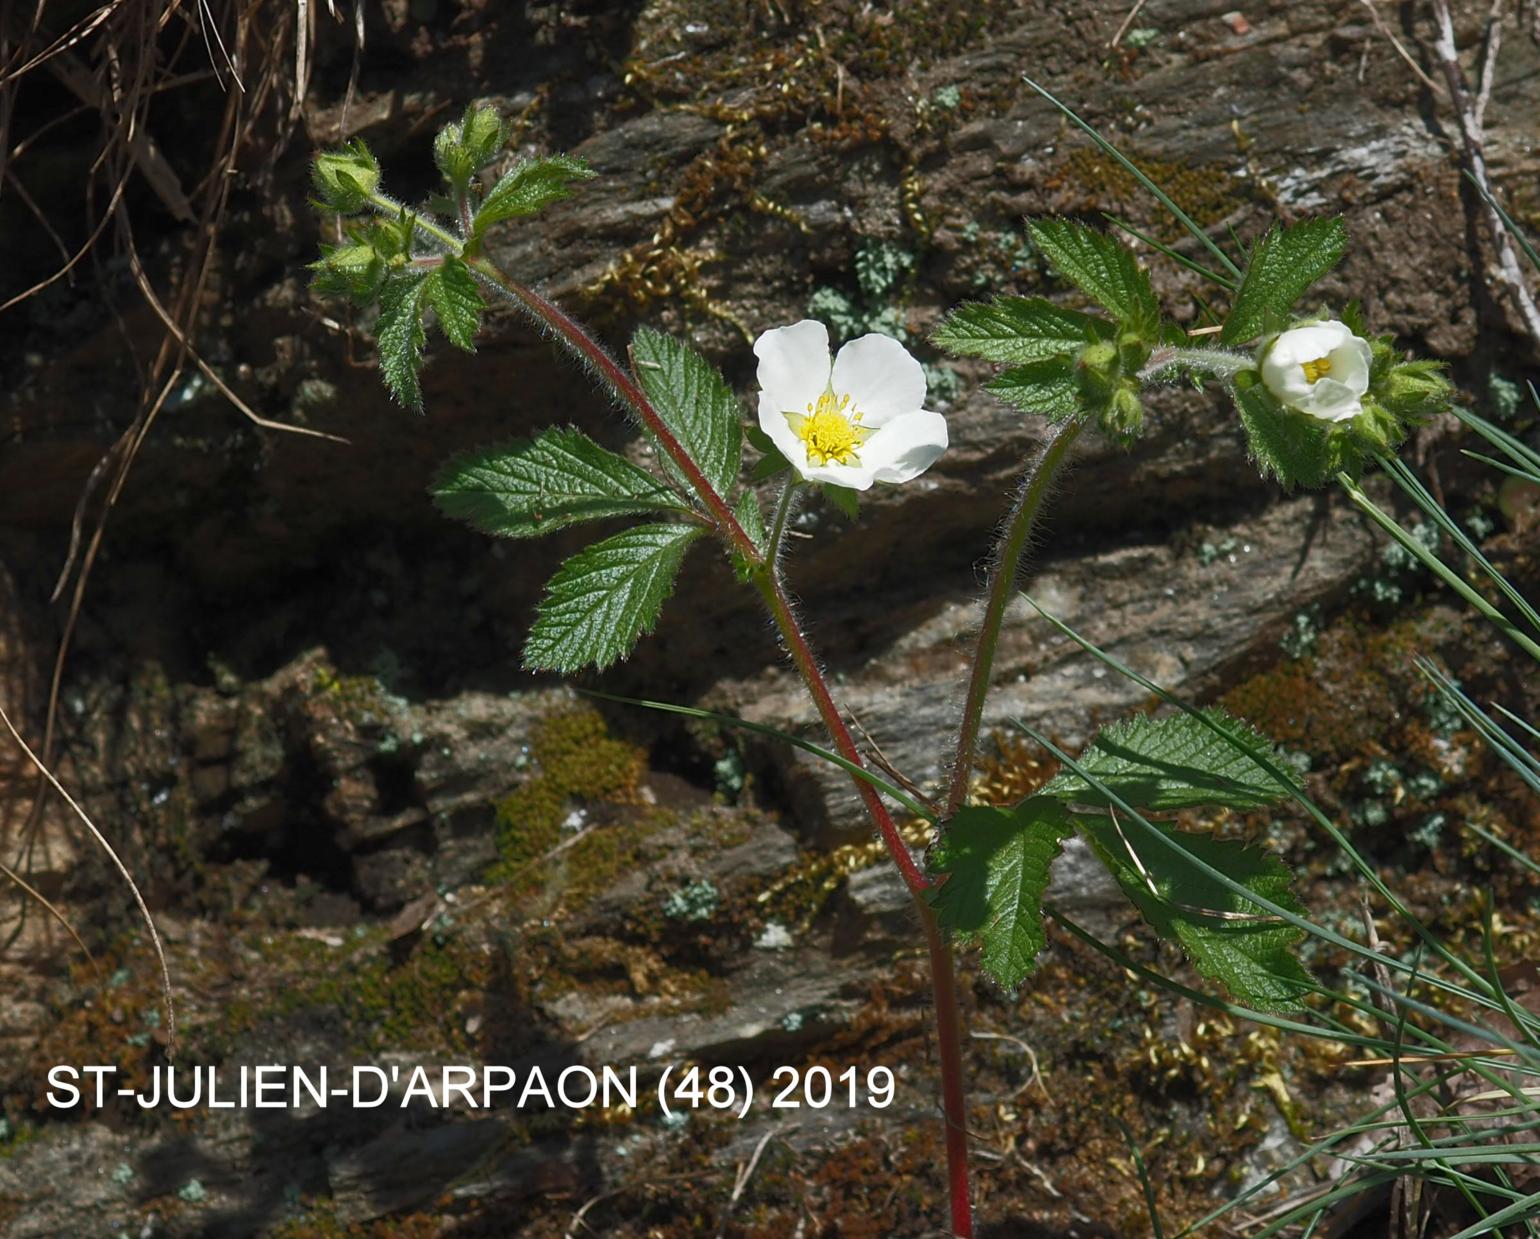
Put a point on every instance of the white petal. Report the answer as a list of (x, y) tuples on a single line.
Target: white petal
[(882, 380), (905, 447), (794, 364), (856, 477), (1332, 401), (1350, 363), (772, 420)]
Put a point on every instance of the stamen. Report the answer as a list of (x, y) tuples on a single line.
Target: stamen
[(1317, 369), (831, 429)]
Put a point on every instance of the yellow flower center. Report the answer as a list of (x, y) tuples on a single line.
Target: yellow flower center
[(830, 429), (1317, 369)]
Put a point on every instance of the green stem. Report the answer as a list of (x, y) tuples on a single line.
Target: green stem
[(1002, 585), (778, 528)]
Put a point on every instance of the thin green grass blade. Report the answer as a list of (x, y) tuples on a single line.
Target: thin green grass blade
[(1364, 869), (1197, 268), (764, 729), (1437, 566), (1412, 485), (1137, 173)]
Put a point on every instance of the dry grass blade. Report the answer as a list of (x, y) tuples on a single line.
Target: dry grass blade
[(33, 893), (101, 840)]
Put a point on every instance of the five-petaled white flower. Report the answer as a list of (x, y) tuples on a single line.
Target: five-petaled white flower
[(856, 421), (1320, 368)]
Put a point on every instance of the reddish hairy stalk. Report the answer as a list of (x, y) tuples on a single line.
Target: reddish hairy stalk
[(954, 1102), (626, 389), (592, 353)]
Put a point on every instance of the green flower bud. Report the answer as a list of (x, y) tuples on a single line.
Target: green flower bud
[(1124, 415), (1099, 371), (1133, 351), (1415, 390), (345, 178), (1376, 428)]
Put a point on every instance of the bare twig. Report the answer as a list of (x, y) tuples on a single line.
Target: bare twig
[(1468, 115), (1036, 1077), (745, 1173), (1390, 37), (1127, 22)]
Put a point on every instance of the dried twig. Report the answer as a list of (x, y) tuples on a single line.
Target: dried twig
[(1127, 22), (1390, 37), (1468, 115)]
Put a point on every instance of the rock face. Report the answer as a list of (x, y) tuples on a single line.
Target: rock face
[(292, 700)]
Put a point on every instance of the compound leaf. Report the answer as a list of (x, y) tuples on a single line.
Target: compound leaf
[(694, 402), (400, 335), (1284, 264), (1101, 267), (1177, 762), (1016, 330), (1229, 938)]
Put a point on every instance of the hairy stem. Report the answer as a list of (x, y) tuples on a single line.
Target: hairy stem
[(1002, 584), (593, 356), (596, 359), (943, 974), (778, 527)]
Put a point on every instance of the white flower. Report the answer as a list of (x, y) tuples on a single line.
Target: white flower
[(1321, 369), (856, 421)]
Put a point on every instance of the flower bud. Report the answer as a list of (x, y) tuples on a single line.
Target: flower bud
[(1098, 370), (344, 179), (1124, 415), (1414, 390)]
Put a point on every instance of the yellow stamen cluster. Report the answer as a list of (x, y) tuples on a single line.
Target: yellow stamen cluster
[(830, 429), (1317, 369)]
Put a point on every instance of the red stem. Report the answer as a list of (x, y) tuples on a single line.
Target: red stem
[(943, 978), (630, 393)]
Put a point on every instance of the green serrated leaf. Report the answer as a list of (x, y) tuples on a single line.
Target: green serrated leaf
[(528, 188), (845, 500), (694, 402), (752, 517), (1101, 267), (1048, 387), (1284, 264), (1017, 330), (400, 335), (1293, 447), (1177, 762), (452, 292), (353, 271), (1228, 938), (605, 597), (531, 487), (997, 864)]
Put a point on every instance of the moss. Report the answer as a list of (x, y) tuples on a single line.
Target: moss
[(385, 1005), (577, 760), (1208, 193)]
